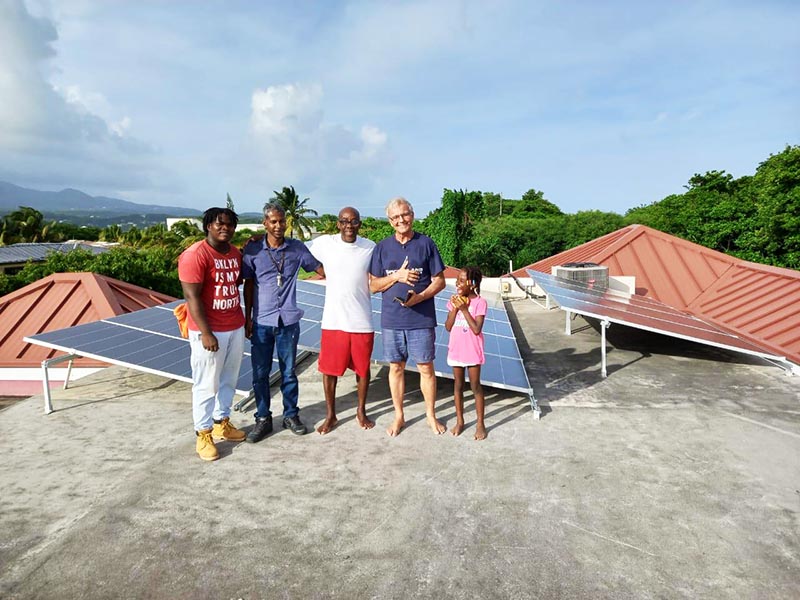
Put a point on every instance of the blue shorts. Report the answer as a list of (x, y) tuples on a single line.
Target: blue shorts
[(401, 344)]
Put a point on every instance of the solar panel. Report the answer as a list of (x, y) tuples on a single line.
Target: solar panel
[(148, 340), (641, 313), (503, 369)]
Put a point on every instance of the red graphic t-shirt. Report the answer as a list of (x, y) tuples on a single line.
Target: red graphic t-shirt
[(218, 273)]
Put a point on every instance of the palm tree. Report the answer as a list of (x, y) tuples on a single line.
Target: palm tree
[(28, 225), (296, 211), (327, 224), (111, 233), (156, 235), (187, 229), (188, 232), (8, 231), (132, 237)]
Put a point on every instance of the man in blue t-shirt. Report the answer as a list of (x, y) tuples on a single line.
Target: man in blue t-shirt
[(407, 268)]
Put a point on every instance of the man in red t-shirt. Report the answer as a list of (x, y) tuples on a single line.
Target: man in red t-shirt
[(210, 272)]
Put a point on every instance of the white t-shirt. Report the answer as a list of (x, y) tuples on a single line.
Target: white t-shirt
[(347, 296)]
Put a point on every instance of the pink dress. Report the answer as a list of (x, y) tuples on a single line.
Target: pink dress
[(466, 348)]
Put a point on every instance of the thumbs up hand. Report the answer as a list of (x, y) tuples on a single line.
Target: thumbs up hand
[(406, 275)]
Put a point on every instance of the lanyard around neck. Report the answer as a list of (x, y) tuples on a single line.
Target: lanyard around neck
[(278, 265)]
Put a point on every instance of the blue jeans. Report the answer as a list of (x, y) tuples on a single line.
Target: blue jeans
[(266, 338)]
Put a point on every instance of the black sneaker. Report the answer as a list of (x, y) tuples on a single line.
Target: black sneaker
[(295, 424), (260, 430)]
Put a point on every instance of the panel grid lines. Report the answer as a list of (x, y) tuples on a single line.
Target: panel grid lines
[(641, 313), (149, 340)]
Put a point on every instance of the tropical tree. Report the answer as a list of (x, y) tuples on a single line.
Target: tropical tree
[(776, 191), (187, 233), (26, 224), (112, 233), (186, 228), (489, 252), (297, 219), (587, 225), (494, 204), (495, 242), (8, 231), (451, 225), (533, 205), (133, 236), (327, 224), (716, 211), (375, 229), (31, 225), (70, 231), (156, 235)]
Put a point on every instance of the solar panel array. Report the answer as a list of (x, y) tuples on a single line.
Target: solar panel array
[(504, 367), (148, 340), (641, 313)]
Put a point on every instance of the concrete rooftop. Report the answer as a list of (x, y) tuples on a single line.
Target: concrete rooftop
[(678, 476)]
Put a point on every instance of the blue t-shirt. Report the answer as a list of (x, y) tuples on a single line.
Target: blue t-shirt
[(423, 257), (271, 301)]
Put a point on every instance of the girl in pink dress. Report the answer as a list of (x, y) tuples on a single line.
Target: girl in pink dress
[(466, 312)]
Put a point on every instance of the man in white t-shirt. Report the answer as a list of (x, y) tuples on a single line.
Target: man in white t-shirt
[(347, 331)]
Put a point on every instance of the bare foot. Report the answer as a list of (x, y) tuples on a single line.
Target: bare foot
[(327, 425), (363, 421), (459, 427), (396, 427), (480, 432), (436, 426)]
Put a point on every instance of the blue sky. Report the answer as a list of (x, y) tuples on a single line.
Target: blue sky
[(600, 105)]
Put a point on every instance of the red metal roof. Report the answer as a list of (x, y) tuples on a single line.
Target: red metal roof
[(63, 300), (451, 272), (758, 302)]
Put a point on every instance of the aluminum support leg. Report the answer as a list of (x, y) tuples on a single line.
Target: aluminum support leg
[(69, 372), (603, 326), (48, 404)]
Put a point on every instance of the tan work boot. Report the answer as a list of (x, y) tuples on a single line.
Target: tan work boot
[(224, 430), (205, 445)]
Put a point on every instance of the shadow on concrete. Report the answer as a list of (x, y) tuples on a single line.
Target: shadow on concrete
[(133, 391), (648, 342), (553, 375)]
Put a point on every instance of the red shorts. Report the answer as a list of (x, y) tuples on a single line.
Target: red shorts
[(341, 350)]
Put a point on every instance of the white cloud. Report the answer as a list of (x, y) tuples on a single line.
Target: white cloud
[(279, 110), (59, 137), (291, 143), (374, 140)]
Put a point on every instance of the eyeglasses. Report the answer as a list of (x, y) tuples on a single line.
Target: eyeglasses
[(346, 222), (403, 216)]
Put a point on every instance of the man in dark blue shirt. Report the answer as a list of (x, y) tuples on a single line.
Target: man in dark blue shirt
[(272, 318), (407, 268)]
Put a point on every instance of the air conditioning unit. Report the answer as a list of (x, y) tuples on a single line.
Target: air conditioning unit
[(591, 274)]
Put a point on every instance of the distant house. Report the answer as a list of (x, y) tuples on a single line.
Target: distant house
[(14, 256), (55, 302)]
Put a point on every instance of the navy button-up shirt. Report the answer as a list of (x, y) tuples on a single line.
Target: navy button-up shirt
[(271, 301)]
